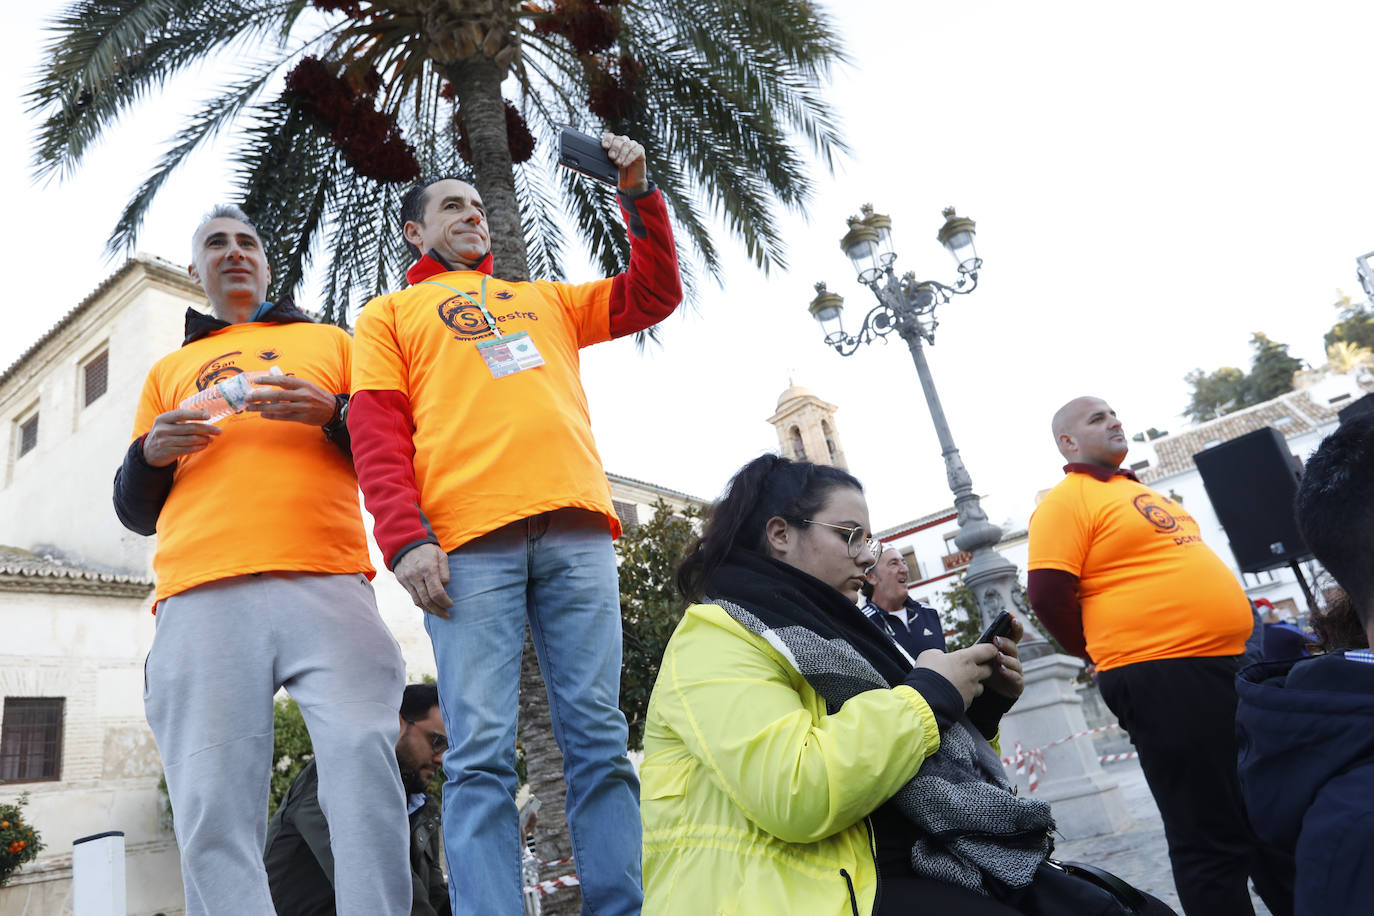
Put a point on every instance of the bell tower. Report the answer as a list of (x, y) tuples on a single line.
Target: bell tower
[(806, 428)]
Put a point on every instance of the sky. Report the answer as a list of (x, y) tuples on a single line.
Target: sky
[(1152, 183)]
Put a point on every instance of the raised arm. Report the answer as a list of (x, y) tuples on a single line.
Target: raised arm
[(651, 288)]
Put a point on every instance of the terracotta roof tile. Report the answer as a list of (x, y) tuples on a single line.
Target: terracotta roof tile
[(1174, 454)]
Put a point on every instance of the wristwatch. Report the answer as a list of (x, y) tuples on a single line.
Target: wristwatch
[(340, 419)]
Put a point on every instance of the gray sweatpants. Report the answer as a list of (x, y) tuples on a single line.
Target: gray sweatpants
[(220, 653)]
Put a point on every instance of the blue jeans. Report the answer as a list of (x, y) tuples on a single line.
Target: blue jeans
[(558, 571)]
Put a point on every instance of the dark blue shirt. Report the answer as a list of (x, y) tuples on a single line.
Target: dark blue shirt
[(1283, 640), (917, 630)]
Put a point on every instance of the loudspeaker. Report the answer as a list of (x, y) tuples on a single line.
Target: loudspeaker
[(1252, 481), (1356, 408)]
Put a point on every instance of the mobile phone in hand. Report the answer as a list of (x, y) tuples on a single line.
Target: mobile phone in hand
[(583, 153), (1000, 626)]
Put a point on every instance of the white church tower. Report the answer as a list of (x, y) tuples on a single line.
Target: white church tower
[(806, 428)]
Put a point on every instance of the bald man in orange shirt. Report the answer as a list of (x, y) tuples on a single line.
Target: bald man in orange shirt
[(1120, 575)]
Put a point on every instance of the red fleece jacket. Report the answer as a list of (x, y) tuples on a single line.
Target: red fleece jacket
[(381, 424)]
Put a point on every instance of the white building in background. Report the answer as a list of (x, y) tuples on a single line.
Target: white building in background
[(807, 431), (76, 591)]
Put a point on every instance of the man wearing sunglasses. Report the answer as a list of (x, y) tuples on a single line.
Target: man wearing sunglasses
[(300, 865)]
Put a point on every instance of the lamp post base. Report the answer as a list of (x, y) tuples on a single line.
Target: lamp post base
[(1086, 801), (993, 580)]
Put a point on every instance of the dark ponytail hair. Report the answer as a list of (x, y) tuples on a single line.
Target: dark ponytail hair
[(766, 487)]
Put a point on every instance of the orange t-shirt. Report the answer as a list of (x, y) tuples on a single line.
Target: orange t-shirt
[(265, 494), (1149, 587), (490, 451)]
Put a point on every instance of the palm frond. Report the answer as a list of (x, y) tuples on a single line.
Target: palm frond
[(727, 96), (205, 123), (108, 55), (286, 175), (543, 233)]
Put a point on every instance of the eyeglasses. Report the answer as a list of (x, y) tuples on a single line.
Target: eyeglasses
[(438, 741), (855, 539)]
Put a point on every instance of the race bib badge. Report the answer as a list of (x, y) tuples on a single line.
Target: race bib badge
[(509, 354)]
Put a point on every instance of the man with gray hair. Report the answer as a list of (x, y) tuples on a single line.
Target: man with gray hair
[(262, 582), (912, 625)]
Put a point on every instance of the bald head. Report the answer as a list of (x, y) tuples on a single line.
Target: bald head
[(1086, 430)]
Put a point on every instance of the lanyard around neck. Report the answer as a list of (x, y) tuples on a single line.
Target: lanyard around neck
[(491, 321)]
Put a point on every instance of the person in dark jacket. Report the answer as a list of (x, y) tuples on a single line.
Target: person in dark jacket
[(1304, 725), (912, 625), (300, 865), (1281, 640)]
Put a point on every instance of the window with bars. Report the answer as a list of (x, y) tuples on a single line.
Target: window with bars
[(628, 513), (31, 739), (28, 435), (95, 376)]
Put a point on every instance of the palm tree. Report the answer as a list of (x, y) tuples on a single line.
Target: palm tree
[(724, 94), (341, 104), (1346, 356)]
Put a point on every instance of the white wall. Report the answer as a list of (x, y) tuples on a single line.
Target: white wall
[(89, 650), (59, 493)]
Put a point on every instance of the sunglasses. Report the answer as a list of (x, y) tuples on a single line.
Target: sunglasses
[(438, 741)]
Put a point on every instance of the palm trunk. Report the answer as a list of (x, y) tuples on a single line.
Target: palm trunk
[(477, 80), (544, 763)]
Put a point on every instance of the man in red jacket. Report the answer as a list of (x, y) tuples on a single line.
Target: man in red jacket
[(474, 451)]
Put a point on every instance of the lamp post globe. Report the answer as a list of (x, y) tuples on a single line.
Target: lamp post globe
[(906, 306)]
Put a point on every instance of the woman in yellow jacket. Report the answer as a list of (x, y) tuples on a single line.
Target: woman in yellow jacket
[(758, 796)]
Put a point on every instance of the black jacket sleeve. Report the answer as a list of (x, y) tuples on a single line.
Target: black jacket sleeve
[(986, 711), (140, 490)]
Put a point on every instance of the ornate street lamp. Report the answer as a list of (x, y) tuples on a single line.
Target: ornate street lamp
[(906, 305)]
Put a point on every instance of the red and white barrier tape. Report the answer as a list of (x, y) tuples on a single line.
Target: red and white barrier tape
[(554, 862), (1091, 731), (544, 888), (1114, 758), (1031, 763)]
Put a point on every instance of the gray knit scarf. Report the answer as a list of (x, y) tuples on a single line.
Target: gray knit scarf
[(974, 828)]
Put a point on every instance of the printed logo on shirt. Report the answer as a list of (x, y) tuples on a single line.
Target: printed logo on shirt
[(466, 321), (268, 355), (464, 318), (505, 294), (1147, 504), (217, 370)]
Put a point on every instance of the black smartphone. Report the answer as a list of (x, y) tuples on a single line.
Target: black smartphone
[(1000, 626), (583, 153)]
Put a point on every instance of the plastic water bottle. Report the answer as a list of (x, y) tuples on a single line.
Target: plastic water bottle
[(229, 396)]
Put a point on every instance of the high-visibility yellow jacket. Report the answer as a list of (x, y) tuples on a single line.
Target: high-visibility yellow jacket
[(754, 799)]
